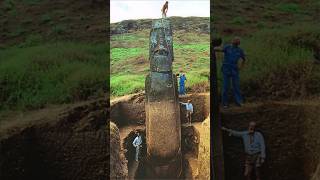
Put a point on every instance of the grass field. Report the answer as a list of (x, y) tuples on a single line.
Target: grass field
[(130, 64), (280, 61), (276, 57), (32, 76)]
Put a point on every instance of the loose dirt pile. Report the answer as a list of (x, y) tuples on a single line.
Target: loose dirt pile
[(68, 145), (291, 131)]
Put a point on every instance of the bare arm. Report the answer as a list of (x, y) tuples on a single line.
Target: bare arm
[(233, 132), (218, 49)]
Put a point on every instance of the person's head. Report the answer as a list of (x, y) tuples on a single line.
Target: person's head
[(216, 42), (167, 2), (236, 41), (138, 134), (252, 127), (189, 101)]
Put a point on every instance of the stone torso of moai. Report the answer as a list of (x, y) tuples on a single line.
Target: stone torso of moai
[(163, 129)]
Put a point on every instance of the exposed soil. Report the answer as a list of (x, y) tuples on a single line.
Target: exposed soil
[(128, 113), (118, 168), (68, 143), (291, 134), (129, 110)]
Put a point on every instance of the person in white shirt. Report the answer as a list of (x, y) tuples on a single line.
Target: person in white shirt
[(189, 108), (137, 144)]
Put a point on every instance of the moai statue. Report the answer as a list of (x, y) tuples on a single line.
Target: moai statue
[(163, 128)]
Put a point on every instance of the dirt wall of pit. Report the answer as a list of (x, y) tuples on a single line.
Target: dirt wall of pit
[(130, 110), (291, 133), (118, 163), (74, 146)]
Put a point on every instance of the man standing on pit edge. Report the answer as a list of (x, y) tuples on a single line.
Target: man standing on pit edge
[(232, 54), (182, 88)]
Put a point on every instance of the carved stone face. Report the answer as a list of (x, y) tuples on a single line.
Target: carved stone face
[(161, 47)]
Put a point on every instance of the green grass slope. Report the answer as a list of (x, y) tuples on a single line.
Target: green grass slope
[(130, 63), (279, 38), (51, 52), (54, 73)]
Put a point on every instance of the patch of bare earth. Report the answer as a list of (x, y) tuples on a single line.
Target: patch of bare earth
[(291, 131), (68, 142), (128, 113)]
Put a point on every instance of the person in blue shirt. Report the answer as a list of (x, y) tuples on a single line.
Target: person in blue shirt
[(189, 108), (182, 90), (230, 70), (254, 148)]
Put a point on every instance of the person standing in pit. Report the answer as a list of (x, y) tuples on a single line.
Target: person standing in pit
[(137, 144), (254, 148)]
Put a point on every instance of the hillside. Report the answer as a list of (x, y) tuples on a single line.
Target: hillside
[(53, 83), (279, 81), (280, 40), (51, 52), (245, 17), (289, 29), (130, 58), (76, 20)]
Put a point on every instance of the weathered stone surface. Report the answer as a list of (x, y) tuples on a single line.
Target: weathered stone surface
[(163, 127)]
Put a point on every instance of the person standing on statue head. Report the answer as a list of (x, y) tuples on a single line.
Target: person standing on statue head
[(230, 70), (164, 9), (189, 108), (137, 144), (182, 90), (254, 148)]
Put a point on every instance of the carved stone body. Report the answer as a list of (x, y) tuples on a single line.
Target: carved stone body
[(163, 128)]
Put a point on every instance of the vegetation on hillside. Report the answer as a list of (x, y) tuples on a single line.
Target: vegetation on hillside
[(130, 63), (51, 53), (53, 73), (280, 39), (280, 62)]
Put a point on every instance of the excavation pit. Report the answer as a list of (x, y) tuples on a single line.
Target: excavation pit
[(291, 131), (69, 145), (129, 115)]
